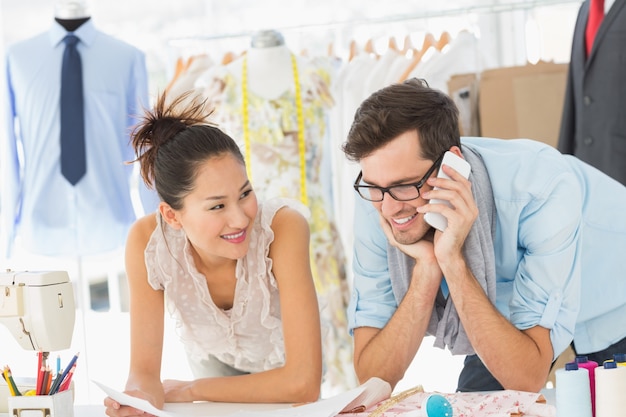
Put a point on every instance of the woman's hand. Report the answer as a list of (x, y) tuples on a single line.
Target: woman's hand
[(115, 409)]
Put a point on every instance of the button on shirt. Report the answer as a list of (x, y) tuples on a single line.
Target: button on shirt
[(559, 245), (51, 216)]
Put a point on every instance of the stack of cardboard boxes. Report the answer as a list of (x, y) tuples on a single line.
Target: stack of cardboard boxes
[(512, 102)]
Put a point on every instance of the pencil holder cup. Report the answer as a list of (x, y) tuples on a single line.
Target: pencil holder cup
[(23, 384), (57, 405)]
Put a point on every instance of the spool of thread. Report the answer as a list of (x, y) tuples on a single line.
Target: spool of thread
[(610, 390), (620, 359), (573, 398), (590, 366)]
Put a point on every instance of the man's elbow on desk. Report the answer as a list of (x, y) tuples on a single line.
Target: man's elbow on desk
[(529, 377), (527, 383), (377, 360), (365, 371)]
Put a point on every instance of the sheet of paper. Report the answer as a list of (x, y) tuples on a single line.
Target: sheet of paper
[(138, 403), (376, 390), (329, 407)]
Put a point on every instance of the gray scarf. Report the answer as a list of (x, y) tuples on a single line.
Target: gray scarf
[(478, 250)]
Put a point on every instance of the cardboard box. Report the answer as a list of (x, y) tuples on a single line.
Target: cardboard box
[(523, 102)]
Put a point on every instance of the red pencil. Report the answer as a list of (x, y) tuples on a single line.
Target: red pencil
[(39, 371), (40, 375), (66, 382)]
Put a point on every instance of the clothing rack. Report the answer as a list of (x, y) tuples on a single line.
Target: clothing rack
[(491, 8)]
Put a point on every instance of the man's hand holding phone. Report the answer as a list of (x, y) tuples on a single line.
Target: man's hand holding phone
[(438, 220)]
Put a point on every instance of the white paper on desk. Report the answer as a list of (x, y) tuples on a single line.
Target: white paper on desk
[(138, 403), (329, 407)]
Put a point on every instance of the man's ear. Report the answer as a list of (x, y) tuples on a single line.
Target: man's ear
[(169, 215), (457, 151)]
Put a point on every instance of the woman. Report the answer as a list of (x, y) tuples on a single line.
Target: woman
[(234, 273)]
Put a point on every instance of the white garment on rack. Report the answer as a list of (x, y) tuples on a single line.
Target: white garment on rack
[(349, 91), (186, 80), (396, 69), (461, 56), (380, 72)]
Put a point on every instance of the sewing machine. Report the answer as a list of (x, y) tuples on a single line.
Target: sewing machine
[(38, 308)]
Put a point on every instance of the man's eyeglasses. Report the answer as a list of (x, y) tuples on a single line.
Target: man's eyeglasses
[(402, 192)]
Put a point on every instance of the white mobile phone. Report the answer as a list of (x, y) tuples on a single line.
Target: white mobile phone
[(437, 220)]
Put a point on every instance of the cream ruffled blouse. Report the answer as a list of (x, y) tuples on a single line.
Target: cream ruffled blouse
[(249, 336)]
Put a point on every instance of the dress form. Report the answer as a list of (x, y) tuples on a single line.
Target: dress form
[(71, 9), (71, 14), (256, 99), (270, 71)]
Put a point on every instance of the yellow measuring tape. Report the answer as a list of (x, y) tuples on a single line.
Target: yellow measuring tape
[(245, 110), (387, 404)]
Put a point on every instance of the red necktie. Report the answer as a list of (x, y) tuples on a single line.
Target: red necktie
[(596, 13)]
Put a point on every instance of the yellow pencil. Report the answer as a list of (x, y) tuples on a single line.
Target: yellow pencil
[(11, 383), (6, 378)]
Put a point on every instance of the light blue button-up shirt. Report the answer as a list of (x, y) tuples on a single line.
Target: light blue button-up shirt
[(559, 247), (51, 216)]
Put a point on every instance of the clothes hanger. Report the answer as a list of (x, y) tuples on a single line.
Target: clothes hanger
[(228, 58), (408, 49), (369, 48), (354, 50), (179, 68), (393, 45), (429, 42), (444, 39)]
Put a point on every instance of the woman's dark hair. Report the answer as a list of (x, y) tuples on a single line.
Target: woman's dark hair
[(399, 108), (173, 140)]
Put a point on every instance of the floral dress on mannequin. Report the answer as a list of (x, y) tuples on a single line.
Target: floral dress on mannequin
[(284, 144)]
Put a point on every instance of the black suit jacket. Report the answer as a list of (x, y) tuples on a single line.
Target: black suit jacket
[(593, 124)]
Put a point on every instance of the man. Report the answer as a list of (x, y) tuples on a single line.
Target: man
[(531, 258)]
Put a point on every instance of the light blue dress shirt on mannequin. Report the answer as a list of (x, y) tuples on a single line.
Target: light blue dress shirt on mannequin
[(51, 216)]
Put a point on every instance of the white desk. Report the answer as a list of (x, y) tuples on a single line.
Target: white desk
[(186, 409), (217, 409)]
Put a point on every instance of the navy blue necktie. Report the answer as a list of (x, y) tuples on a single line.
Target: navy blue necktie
[(73, 158)]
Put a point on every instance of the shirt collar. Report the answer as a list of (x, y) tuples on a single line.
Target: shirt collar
[(607, 5), (86, 33)]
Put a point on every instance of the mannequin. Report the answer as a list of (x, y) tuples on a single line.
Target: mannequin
[(270, 72), (93, 216), (71, 14)]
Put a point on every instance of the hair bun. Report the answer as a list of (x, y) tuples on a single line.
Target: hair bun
[(161, 124)]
